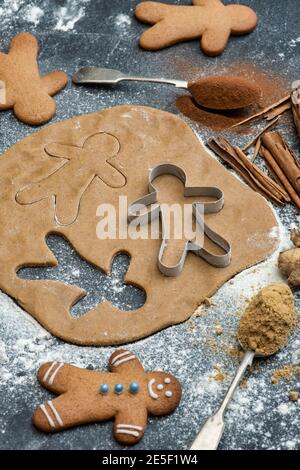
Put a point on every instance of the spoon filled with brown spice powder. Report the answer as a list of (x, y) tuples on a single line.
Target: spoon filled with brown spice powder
[(224, 92), (264, 329)]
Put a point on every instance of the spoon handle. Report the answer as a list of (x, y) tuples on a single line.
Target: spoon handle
[(176, 83), (211, 432), (103, 76)]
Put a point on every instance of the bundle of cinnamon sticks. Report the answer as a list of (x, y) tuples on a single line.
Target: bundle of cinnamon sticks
[(282, 163), (258, 180), (284, 167)]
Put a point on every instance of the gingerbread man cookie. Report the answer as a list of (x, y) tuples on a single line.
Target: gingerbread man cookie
[(127, 394), (211, 20), (28, 94)]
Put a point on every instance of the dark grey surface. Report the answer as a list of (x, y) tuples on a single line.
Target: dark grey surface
[(261, 416)]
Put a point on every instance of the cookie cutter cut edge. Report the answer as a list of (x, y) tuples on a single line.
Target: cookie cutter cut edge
[(211, 207)]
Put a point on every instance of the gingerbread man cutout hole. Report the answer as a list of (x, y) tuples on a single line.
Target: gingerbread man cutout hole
[(175, 246), (127, 394), (97, 286), (28, 94), (208, 19), (96, 159)]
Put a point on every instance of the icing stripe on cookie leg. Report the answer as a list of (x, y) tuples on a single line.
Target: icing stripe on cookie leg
[(130, 358), (118, 356), (56, 414), (127, 431), (48, 371), (130, 426), (51, 380), (50, 421)]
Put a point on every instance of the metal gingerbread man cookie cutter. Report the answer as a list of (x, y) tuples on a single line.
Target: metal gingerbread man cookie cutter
[(211, 207)]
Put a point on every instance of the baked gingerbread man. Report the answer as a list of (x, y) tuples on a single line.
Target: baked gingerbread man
[(25, 91), (126, 394), (211, 20)]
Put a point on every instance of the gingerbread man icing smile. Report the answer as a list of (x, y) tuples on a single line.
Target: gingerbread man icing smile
[(127, 393)]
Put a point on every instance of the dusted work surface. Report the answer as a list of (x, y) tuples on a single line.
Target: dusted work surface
[(105, 33)]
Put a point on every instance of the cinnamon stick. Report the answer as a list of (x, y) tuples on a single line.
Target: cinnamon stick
[(256, 150), (278, 111), (268, 157), (269, 186), (284, 157), (255, 139), (295, 98), (296, 116), (265, 111)]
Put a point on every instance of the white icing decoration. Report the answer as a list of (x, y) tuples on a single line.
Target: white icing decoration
[(130, 426), (56, 414), (151, 391), (50, 421), (49, 370), (130, 358), (51, 380), (167, 380), (160, 387), (127, 431), (168, 394), (118, 356)]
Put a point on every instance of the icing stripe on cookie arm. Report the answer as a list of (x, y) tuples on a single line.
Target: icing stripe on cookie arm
[(59, 377), (123, 360), (52, 378), (48, 371)]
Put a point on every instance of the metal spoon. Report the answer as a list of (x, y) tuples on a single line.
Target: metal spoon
[(212, 430), (111, 77)]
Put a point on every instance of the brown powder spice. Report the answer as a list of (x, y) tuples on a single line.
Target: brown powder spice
[(294, 396), (225, 92), (268, 320), (270, 84), (287, 372)]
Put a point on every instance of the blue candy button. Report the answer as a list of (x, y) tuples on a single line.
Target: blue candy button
[(104, 388), (134, 387), (118, 388)]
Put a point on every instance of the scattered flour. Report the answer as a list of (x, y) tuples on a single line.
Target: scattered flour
[(294, 42), (33, 14), (9, 8), (283, 409), (259, 407), (291, 445), (122, 21), (3, 355), (69, 14)]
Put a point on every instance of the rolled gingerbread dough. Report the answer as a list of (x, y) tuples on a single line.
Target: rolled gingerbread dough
[(54, 176)]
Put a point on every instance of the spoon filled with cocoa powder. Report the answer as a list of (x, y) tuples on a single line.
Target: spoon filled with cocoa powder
[(264, 329), (223, 92)]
